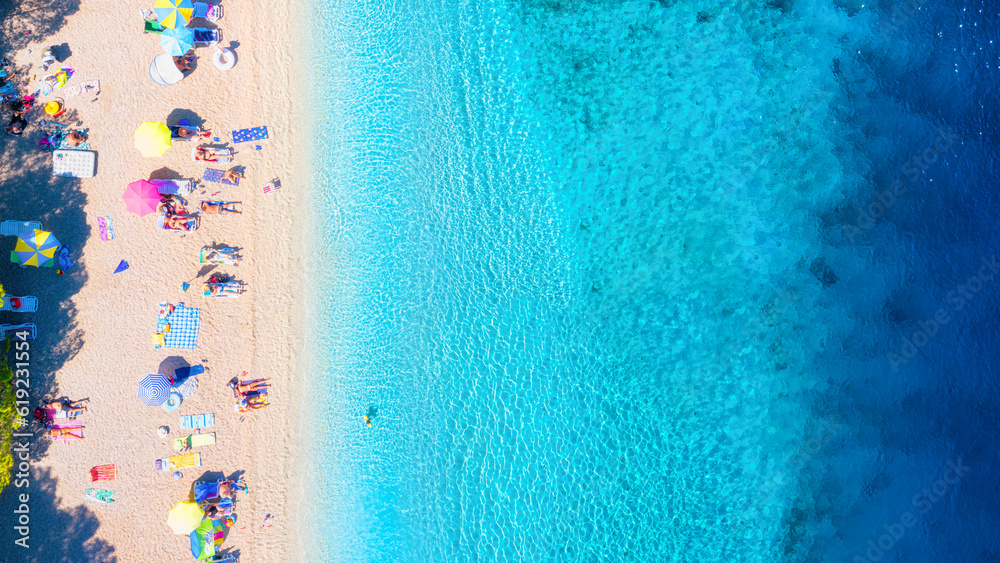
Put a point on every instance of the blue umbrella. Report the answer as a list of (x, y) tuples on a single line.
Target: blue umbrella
[(154, 389), (177, 41)]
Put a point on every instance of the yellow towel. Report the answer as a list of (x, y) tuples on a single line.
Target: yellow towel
[(159, 339), (185, 461)]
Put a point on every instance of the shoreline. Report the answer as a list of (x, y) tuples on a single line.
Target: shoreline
[(94, 326)]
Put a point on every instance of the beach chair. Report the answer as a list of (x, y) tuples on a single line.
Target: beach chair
[(26, 304), (161, 222), (222, 255), (207, 11), (18, 228), (205, 37), (173, 187), (224, 289), (21, 332)]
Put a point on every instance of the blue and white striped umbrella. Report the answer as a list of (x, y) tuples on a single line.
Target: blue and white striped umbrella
[(154, 389)]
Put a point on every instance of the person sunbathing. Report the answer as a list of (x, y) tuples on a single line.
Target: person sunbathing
[(171, 205), (64, 433), (244, 388), (232, 176), (16, 126), (184, 63), (221, 256), (221, 207), (179, 222), (222, 289), (73, 408), (74, 138), (212, 155), (187, 133)]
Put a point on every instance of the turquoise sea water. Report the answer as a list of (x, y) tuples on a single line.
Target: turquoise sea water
[(585, 266)]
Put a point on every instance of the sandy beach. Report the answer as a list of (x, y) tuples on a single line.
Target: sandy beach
[(95, 327)]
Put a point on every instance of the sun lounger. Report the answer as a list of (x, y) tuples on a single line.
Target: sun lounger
[(74, 163), (14, 258), (208, 11), (18, 228), (26, 304), (108, 472), (223, 156), (192, 421), (99, 495), (204, 37), (194, 441), (161, 222), (224, 255), (173, 187), (213, 175), (223, 287), (173, 463), (251, 134), (20, 332)]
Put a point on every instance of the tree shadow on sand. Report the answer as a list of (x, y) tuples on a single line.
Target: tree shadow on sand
[(31, 193)]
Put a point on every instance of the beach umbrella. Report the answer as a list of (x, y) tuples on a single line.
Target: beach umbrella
[(154, 390), (173, 13), (177, 41), (207, 538), (152, 138), (141, 197), (37, 249), (185, 518)]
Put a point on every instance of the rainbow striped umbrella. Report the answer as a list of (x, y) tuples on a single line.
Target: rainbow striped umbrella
[(38, 249), (173, 13), (154, 390)]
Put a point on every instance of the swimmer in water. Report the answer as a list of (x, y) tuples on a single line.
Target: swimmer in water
[(368, 421)]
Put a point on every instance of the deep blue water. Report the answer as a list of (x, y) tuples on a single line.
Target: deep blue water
[(656, 281)]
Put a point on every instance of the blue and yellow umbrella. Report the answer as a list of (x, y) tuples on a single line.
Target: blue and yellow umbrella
[(173, 13), (37, 249)]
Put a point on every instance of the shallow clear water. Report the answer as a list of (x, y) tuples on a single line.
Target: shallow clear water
[(595, 271)]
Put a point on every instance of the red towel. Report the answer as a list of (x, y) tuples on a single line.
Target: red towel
[(103, 473)]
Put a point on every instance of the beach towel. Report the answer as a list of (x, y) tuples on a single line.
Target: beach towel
[(99, 495), (78, 433), (270, 187), (192, 421), (194, 441), (173, 463), (90, 86), (181, 374), (251, 134), (180, 327), (213, 175), (107, 472), (56, 413), (105, 228)]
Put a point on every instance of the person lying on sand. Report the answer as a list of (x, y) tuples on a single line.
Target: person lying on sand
[(73, 408), (221, 207), (186, 133), (232, 176), (64, 433), (242, 389)]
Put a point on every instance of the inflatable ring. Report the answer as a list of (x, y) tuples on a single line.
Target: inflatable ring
[(224, 59)]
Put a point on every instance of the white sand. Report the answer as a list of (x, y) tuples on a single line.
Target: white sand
[(115, 315)]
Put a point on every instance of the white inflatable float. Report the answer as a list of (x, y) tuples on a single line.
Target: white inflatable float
[(224, 59)]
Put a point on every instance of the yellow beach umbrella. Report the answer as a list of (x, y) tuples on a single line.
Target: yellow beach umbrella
[(37, 249), (152, 139), (173, 13), (184, 518)]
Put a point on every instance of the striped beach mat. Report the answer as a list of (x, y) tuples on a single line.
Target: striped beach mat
[(192, 421), (107, 472)]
